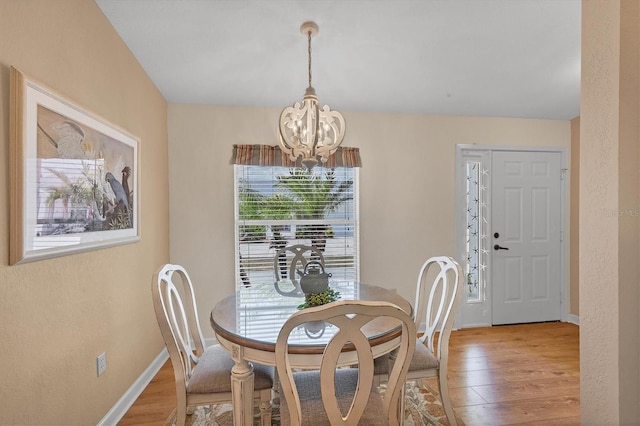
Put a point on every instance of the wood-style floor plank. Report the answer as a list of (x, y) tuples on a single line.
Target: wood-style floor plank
[(156, 403), (529, 389), (543, 409), (527, 374)]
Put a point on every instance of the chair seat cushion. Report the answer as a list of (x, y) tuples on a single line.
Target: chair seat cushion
[(212, 374), (313, 413), (422, 359)]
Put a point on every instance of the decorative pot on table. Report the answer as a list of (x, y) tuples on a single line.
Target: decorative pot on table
[(315, 329), (314, 279)]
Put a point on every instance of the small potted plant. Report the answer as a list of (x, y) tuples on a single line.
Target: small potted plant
[(315, 329), (316, 299)]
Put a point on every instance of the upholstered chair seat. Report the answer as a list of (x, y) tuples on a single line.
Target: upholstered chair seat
[(313, 413), (212, 373), (423, 359)]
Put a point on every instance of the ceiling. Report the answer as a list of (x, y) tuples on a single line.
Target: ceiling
[(503, 58)]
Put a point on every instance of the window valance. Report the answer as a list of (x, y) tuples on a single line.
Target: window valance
[(267, 155)]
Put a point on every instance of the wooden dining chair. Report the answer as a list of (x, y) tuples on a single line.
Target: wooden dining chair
[(343, 396), (289, 261), (438, 294), (202, 375)]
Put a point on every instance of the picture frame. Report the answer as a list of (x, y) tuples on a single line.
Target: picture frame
[(73, 177)]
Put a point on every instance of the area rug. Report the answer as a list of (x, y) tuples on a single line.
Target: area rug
[(422, 408)]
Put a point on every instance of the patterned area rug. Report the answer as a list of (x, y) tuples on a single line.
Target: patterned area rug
[(422, 408)]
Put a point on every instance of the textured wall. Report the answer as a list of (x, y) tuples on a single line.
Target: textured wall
[(609, 206), (406, 186), (57, 315), (629, 222), (574, 227)]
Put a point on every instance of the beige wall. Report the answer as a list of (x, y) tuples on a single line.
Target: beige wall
[(574, 219), (406, 186), (57, 315), (609, 206)]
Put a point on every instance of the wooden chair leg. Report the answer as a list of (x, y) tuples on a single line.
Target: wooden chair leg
[(445, 398), (181, 409), (265, 407), (181, 416), (276, 381), (401, 404)]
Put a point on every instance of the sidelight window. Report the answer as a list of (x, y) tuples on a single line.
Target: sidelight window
[(476, 232)]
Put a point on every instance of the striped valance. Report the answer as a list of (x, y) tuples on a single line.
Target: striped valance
[(267, 155)]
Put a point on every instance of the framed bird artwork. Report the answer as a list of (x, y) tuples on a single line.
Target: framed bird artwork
[(73, 177)]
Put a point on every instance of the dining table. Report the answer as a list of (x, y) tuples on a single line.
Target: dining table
[(247, 324)]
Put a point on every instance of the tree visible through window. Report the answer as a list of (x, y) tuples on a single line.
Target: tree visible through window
[(280, 206)]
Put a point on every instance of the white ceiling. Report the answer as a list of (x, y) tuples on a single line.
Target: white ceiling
[(506, 58)]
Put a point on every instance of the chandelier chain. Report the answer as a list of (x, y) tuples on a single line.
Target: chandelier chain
[(309, 50)]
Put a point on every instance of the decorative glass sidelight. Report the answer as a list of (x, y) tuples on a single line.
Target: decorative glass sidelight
[(476, 250)]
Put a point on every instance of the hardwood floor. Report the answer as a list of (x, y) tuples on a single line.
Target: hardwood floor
[(516, 375), (507, 375), (156, 403)]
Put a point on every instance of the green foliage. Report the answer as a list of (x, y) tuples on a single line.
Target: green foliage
[(120, 221), (255, 205), (79, 191), (302, 195), (313, 196), (317, 299)]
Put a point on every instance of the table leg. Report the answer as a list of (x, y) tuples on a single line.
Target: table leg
[(241, 389)]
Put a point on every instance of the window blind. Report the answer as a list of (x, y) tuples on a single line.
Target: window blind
[(281, 206)]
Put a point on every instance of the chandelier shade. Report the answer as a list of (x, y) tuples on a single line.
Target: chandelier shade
[(307, 131)]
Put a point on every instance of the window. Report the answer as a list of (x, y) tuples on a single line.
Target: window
[(474, 240), (476, 232), (280, 206)]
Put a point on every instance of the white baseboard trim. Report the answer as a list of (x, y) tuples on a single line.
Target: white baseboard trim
[(117, 412), (474, 325), (573, 319)]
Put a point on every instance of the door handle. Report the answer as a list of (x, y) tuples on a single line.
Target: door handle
[(497, 247)]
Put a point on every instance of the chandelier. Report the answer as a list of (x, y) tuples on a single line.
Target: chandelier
[(305, 130)]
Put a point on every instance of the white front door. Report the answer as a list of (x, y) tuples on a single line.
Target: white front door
[(525, 236)]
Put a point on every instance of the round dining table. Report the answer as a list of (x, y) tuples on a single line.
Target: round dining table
[(247, 324)]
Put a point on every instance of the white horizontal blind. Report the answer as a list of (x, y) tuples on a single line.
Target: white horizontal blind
[(261, 313), (281, 206)]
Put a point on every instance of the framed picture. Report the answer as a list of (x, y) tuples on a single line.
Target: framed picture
[(73, 177)]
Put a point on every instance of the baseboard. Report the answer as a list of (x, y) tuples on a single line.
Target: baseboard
[(117, 412), (573, 319), (474, 325)]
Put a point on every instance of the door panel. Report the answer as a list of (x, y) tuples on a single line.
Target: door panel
[(525, 275), (513, 275)]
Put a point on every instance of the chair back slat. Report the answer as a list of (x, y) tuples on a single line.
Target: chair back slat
[(350, 318), (440, 278), (290, 260), (176, 312)]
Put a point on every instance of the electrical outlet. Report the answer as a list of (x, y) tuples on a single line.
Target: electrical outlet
[(101, 363)]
